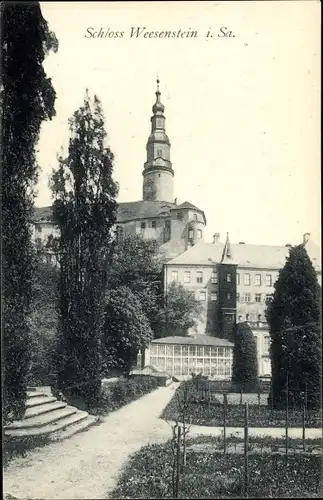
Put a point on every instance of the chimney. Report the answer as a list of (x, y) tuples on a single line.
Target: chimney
[(216, 238), (241, 243), (175, 201), (306, 237), (288, 245)]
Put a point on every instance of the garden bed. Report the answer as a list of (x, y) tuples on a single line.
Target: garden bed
[(123, 391), (148, 474), (208, 410)]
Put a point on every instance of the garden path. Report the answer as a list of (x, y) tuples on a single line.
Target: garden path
[(87, 464)]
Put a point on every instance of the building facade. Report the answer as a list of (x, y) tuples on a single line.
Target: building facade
[(233, 281)]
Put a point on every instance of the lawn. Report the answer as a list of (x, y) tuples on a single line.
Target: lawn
[(209, 411), (207, 474)]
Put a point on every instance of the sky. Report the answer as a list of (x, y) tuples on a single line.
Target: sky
[(242, 112)]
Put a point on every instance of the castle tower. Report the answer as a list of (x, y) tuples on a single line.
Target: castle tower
[(158, 173), (227, 291)]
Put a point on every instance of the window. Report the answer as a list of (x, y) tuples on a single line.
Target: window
[(214, 278), (238, 297), (229, 295), (161, 350), (258, 279), (199, 277), (247, 317), (266, 343), (199, 351), (238, 279), (179, 215), (190, 234), (258, 297), (259, 317), (195, 216), (214, 296), (177, 350), (269, 281), (247, 297), (221, 351), (229, 318), (153, 224), (120, 233), (240, 318), (143, 225), (229, 278), (202, 295), (159, 152), (268, 298), (39, 229), (246, 279), (174, 275), (187, 276), (199, 234)]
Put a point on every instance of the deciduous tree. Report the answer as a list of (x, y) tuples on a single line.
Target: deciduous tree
[(127, 329)]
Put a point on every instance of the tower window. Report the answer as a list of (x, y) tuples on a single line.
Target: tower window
[(229, 278), (199, 233), (195, 216), (214, 296), (159, 152), (229, 296), (214, 278), (143, 225), (229, 318), (190, 234), (179, 215)]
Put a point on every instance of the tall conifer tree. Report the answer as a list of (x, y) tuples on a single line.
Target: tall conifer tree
[(294, 323), (27, 99), (84, 211)]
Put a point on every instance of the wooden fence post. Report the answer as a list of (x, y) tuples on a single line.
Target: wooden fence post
[(240, 396), (224, 423), (259, 403), (178, 458), (303, 433), (246, 464), (286, 420)]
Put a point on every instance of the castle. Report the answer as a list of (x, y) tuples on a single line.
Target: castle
[(233, 281)]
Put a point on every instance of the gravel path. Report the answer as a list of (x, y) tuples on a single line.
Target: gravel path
[(86, 466)]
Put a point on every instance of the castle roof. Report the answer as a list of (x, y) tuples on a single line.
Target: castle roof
[(194, 340), (131, 210), (245, 255)]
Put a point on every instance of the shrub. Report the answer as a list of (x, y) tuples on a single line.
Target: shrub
[(245, 364)]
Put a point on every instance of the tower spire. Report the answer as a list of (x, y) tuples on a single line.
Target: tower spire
[(158, 172), (227, 257)]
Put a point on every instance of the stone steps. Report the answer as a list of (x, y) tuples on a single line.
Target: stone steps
[(46, 417)]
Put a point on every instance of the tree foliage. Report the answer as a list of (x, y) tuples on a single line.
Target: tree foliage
[(84, 210), (126, 331), (135, 264), (27, 99), (179, 313), (245, 364), (294, 323)]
